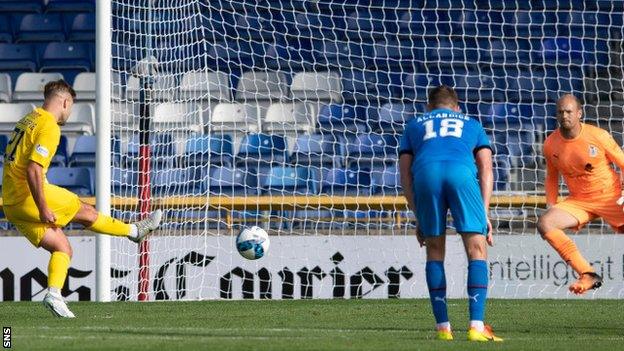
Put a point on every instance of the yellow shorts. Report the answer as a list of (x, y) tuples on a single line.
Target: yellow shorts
[(587, 210), (25, 215)]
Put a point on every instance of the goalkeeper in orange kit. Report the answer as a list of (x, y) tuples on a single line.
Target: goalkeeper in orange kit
[(583, 155)]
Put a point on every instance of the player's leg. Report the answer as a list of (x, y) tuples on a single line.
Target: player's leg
[(431, 217), (569, 214), (463, 195), (98, 222), (55, 242)]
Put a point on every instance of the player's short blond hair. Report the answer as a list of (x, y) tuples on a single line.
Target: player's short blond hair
[(58, 87), (442, 96)]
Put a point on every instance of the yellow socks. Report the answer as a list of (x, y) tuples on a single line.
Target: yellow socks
[(108, 225), (57, 269), (568, 251)]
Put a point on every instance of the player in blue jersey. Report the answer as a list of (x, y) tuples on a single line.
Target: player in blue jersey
[(446, 164)]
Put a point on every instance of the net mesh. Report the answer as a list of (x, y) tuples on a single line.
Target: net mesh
[(249, 103)]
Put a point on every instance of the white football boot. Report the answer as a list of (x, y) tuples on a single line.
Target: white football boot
[(55, 303), (146, 226)]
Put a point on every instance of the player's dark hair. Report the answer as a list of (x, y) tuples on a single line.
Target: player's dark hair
[(442, 96), (58, 87)]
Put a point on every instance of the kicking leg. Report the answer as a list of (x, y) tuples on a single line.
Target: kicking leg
[(436, 282), (100, 223), (55, 241), (550, 226)]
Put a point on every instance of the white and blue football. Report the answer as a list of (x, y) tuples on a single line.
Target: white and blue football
[(252, 243)]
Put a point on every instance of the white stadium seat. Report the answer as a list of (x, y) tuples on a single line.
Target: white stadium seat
[(262, 85), (206, 86), (84, 85), (234, 117), (5, 87), (184, 117), (29, 86), (317, 86), (289, 117)]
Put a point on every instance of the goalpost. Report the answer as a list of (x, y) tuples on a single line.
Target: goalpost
[(286, 114)]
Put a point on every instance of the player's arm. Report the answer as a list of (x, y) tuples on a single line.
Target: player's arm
[(34, 177), (45, 144), (552, 182), (405, 169), (483, 159)]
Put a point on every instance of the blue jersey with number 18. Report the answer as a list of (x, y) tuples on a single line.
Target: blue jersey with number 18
[(443, 135)]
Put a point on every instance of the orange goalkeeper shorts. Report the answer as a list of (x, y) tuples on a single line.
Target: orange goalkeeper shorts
[(587, 210)]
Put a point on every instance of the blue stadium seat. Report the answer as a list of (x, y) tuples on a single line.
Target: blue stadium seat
[(473, 86), (346, 182), (316, 150), (424, 22), (502, 169), (227, 181), (177, 181), (70, 6), (124, 182), (29, 6), (261, 150), (367, 24), (61, 156), (6, 33), (414, 85), (83, 28), (162, 151), (392, 117), (564, 51), (4, 140), (84, 152), (291, 181), (368, 151), (320, 25), (399, 55), (41, 28), (365, 84), (68, 59), (337, 118), (511, 52), (387, 182), (16, 59), (286, 55), (564, 80), (76, 180), (535, 24), (590, 24), (209, 150), (503, 114), (482, 23)]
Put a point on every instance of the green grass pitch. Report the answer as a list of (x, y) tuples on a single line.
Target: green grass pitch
[(311, 325)]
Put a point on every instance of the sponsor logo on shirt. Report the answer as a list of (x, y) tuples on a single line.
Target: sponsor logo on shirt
[(593, 151), (41, 150)]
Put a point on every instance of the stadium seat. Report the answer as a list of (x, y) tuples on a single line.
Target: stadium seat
[(324, 86), (70, 6), (4, 140), (162, 151), (367, 85), (5, 88), (261, 150), (209, 150), (10, 114), (564, 80), (387, 182), (227, 181), (41, 28), (367, 151), (338, 119), (68, 59), (319, 25), (502, 170), (81, 120), (262, 85), (473, 86), (6, 33), (392, 117), (124, 182), (289, 117), (205, 86), (346, 182), (29, 86), (414, 86), (510, 52), (83, 28), (564, 51), (290, 181), (423, 22), (178, 117), (316, 150), (27, 6), (125, 56), (165, 88), (61, 157), (367, 24), (399, 55), (84, 85), (177, 181), (84, 152), (235, 118), (501, 115), (76, 180), (17, 57)]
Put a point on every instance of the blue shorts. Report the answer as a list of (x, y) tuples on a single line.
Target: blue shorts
[(443, 186)]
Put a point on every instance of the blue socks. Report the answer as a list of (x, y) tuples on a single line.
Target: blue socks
[(436, 281), (477, 288)]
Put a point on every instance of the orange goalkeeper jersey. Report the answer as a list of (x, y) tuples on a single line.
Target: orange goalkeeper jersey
[(585, 164)]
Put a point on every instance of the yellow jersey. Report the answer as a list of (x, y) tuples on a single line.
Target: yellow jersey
[(35, 138)]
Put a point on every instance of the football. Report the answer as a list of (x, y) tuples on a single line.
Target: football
[(252, 242)]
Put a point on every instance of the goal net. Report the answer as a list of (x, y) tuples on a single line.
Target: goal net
[(286, 114)]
